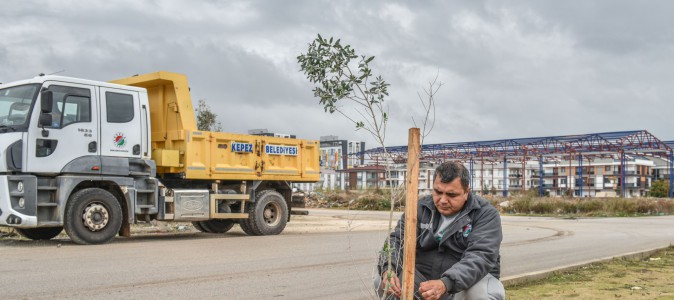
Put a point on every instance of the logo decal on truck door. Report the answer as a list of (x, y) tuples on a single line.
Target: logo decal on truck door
[(119, 140)]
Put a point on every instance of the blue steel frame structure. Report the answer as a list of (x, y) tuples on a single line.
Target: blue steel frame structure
[(605, 144), (671, 166)]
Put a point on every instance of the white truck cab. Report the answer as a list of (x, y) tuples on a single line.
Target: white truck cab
[(58, 133)]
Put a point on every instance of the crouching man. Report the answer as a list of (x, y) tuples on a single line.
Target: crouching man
[(458, 242)]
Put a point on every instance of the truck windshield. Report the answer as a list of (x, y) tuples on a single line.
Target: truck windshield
[(15, 103)]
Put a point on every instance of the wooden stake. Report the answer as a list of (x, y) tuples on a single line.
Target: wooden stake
[(412, 185)]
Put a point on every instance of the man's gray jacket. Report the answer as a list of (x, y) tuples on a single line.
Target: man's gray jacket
[(468, 250)]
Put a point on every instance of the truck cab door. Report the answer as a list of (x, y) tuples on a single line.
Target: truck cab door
[(72, 137), (121, 127)]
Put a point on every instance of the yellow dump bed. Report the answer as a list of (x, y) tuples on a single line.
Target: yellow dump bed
[(179, 148)]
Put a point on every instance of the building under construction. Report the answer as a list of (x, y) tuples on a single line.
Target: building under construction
[(605, 164)]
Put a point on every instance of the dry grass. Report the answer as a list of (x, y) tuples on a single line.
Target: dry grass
[(356, 200), (524, 204), (651, 278), (584, 207)]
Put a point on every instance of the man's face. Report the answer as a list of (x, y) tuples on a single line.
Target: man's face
[(450, 197)]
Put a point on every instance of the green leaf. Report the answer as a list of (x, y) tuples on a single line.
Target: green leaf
[(326, 64)]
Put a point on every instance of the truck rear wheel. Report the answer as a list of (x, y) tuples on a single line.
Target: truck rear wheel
[(92, 216), (267, 216), (197, 225), (42, 233), (216, 225)]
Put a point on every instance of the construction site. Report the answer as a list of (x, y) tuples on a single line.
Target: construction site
[(608, 164)]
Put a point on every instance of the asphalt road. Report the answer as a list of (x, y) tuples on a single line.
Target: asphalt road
[(326, 255)]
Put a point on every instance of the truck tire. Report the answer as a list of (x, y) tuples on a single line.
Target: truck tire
[(92, 216), (42, 233), (198, 226), (246, 228), (267, 216), (217, 225)]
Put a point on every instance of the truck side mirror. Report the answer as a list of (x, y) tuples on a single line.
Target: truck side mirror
[(46, 103), (45, 119)]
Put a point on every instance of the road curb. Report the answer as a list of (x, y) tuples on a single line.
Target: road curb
[(528, 277)]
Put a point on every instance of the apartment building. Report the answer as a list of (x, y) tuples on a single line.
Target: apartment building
[(599, 178), (661, 169), (339, 154), (265, 132), (341, 166)]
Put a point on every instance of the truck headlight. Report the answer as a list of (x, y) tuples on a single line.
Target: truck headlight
[(19, 186), (22, 202)]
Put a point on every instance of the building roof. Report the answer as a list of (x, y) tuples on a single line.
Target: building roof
[(593, 144)]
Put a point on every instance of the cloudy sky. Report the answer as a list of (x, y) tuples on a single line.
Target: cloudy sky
[(509, 69)]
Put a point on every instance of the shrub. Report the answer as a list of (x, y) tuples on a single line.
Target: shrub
[(590, 206), (569, 207), (659, 189), (524, 203), (620, 206), (666, 207), (543, 207), (371, 202), (647, 207), (520, 206)]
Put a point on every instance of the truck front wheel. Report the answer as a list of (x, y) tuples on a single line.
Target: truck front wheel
[(42, 233), (267, 216), (92, 216)]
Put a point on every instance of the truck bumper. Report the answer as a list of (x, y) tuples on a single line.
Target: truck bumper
[(15, 212)]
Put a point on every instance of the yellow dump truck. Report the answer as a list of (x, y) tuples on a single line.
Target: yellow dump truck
[(95, 157)]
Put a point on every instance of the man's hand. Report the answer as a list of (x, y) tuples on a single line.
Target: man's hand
[(390, 280), (432, 289)]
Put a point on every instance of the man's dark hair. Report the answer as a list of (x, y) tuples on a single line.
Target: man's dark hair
[(450, 170)]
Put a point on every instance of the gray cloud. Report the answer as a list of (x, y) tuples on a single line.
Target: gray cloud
[(530, 68)]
